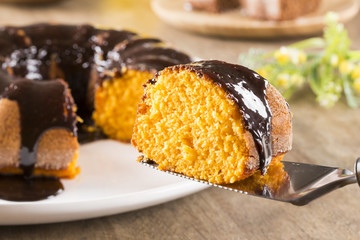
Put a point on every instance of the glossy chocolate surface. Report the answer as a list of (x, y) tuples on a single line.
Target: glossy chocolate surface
[(144, 54), (4, 81), (55, 51), (17, 188)]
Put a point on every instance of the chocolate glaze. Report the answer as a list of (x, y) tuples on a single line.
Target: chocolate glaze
[(144, 54), (248, 90), (5, 81), (104, 41), (40, 103), (56, 51), (11, 38), (16, 188)]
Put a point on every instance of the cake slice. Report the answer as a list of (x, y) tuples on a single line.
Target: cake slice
[(212, 120), (38, 130)]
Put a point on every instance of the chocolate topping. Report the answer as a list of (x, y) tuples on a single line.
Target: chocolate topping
[(45, 51), (5, 81), (16, 188), (145, 54), (43, 105), (248, 90), (55, 51), (107, 39)]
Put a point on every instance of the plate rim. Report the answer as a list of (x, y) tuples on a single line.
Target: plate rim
[(213, 24)]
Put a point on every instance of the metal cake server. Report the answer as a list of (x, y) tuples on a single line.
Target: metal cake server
[(305, 182)]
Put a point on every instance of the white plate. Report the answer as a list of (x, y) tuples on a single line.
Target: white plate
[(111, 182)]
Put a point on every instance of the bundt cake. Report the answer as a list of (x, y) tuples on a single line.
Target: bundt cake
[(212, 120), (38, 131)]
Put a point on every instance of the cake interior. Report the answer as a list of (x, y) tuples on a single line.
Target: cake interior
[(187, 124), (119, 97)]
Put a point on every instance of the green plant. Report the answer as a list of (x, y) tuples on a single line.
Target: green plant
[(326, 64)]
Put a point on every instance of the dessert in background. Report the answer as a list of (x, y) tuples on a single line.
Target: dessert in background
[(278, 10), (213, 121), (275, 10), (214, 6)]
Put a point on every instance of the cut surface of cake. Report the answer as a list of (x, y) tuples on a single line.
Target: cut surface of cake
[(130, 65), (213, 121)]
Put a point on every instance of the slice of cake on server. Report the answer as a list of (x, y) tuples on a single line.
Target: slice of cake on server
[(212, 120)]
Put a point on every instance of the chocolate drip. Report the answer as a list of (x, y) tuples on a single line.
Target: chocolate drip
[(4, 81), (16, 188), (248, 90), (145, 54), (43, 105)]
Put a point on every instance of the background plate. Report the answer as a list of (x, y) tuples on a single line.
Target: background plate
[(235, 24), (111, 181)]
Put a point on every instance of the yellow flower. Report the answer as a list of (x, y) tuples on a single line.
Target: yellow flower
[(302, 57), (327, 99), (355, 73), (286, 54), (356, 85), (282, 55), (283, 80), (334, 60), (346, 67)]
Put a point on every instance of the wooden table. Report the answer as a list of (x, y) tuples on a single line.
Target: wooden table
[(329, 137)]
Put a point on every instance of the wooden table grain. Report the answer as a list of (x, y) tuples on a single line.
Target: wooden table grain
[(323, 136)]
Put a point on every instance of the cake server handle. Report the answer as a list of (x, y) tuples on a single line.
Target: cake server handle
[(357, 170)]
